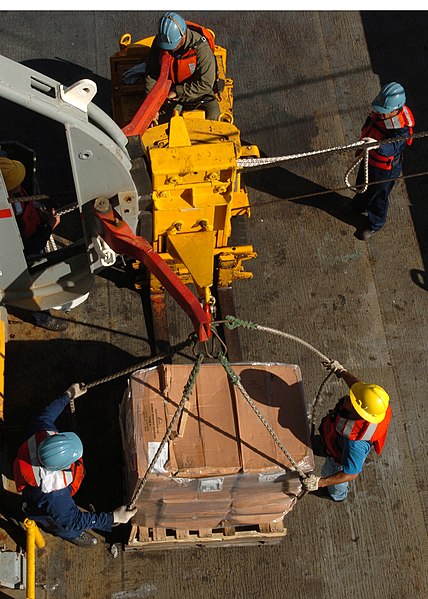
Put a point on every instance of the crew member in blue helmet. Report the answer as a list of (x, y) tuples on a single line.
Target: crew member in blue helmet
[(193, 68), (390, 118), (49, 470)]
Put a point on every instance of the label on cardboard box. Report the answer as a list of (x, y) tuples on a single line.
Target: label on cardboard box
[(208, 485), (152, 448), (268, 477)]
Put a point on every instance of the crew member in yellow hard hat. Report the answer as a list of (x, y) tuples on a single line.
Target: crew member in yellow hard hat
[(359, 421)]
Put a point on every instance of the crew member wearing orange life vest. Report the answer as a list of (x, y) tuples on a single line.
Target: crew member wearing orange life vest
[(390, 118), (48, 470), (358, 422), (193, 68)]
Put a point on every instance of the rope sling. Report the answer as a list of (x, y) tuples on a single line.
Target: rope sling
[(230, 322)]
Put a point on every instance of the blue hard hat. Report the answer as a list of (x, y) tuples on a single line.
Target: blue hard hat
[(391, 97), (58, 452), (172, 28)]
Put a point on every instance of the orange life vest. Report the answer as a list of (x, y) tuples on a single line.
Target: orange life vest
[(333, 426), (379, 129), (184, 65), (27, 469)]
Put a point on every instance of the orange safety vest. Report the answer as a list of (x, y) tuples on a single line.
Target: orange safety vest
[(378, 129), (333, 426), (184, 65), (29, 218), (27, 469)]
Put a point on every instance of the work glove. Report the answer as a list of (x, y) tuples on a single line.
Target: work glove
[(334, 366), (310, 483), (132, 75), (367, 139), (76, 390), (122, 515)]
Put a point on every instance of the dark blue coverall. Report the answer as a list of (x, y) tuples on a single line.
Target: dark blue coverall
[(376, 197), (56, 511)]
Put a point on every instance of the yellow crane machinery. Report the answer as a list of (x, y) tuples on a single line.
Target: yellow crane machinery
[(196, 187)]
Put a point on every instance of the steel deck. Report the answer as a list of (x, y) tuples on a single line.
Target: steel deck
[(303, 81)]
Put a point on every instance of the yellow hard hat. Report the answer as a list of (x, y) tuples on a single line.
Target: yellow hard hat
[(13, 172), (370, 401)]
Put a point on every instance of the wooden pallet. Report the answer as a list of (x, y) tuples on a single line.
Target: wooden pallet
[(144, 538)]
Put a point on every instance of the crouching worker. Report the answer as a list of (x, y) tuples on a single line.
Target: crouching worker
[(49, 470), (359, 421)]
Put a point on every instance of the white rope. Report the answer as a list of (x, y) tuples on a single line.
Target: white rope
[(246, 163), (254, 162), (365, 157)]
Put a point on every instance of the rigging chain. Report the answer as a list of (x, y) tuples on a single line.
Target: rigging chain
[(235, 379), (186, 394), (231, 322), (173, 350)]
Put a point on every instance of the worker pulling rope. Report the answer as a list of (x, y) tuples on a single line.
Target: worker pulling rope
[(185, 398)]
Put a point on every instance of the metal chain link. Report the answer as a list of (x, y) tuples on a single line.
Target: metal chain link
[(186, 395), (67, 209)]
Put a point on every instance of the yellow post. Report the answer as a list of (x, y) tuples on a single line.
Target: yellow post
[(34, 539), (3, 339)]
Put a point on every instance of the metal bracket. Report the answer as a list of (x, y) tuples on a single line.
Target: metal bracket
[(106, 255), (79, 94)]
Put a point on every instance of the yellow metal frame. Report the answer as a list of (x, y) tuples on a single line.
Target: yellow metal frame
[(34, 539), (3, 339), (197, 185)]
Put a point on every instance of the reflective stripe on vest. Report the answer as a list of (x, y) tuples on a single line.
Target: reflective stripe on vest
[(29, 472), (379, 129), (333, 426), (354, 429)]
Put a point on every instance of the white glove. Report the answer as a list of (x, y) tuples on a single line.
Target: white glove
[(334, 366), (76, 390), (311, 482), (368, 139), (122, 515)]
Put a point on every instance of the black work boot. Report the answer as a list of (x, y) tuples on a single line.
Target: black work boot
[(84, 540), (45, 320)]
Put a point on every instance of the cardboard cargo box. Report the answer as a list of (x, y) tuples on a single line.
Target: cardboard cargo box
[(221, 464)]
